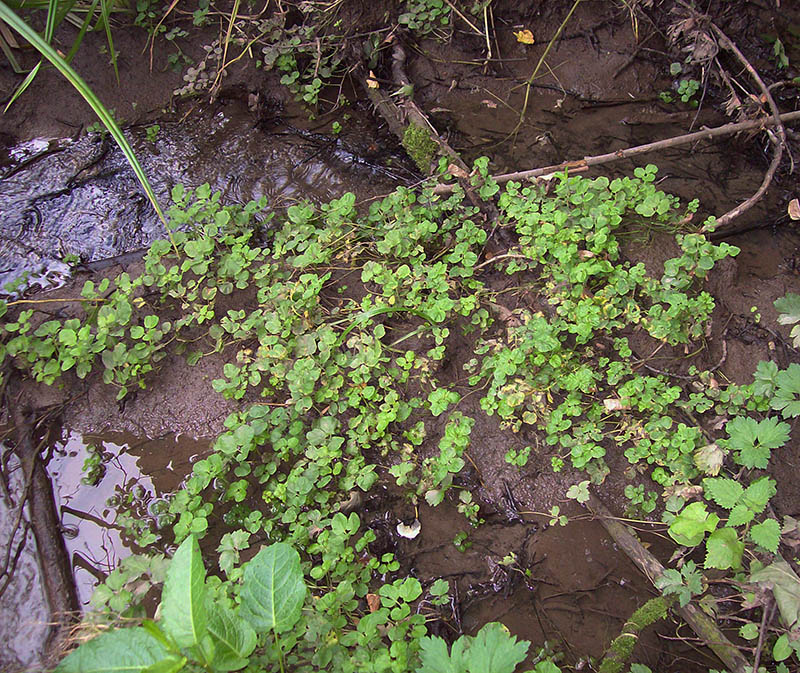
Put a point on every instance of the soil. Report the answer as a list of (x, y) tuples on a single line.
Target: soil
[(600, 92)]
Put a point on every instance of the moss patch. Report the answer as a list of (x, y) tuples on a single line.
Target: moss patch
[(420, 146)]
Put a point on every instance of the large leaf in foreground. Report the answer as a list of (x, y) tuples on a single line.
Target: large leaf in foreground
[(273, 590), (234, 639), (118, 651), (183, 601)]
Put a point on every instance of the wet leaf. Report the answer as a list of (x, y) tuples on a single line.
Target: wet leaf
[(273, 590), (183, 614), (724, 549), (132, 650)]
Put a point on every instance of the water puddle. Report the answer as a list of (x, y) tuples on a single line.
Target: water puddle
[(79, 197), (133, 475)]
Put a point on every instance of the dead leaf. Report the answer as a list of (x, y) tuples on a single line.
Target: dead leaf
[(685, 491), (709, 459), (372, 83), (615, 404), (489, 103), (374, 602), (794, 209), (457, 172), (524, 36)]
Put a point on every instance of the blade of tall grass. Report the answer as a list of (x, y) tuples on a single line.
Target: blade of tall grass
[(49, 29), (25, 31)]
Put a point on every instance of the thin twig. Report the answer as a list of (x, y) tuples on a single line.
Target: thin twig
[(766, 618), (676, 141)]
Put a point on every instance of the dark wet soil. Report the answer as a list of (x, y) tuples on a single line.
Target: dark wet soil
[(600, 92)]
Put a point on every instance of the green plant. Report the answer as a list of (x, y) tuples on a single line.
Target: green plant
[(196, 627), (425, 16)]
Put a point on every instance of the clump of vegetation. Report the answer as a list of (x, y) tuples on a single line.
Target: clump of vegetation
[(342, 388), (420, 146), (621, 648)]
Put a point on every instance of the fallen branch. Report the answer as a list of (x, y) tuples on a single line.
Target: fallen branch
[(705, 627), (780, 143), (706, 134), (55, 570)]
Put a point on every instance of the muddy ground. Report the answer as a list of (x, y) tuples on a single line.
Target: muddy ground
[(600, 92)]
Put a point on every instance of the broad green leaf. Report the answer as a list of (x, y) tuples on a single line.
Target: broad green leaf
[(781, 649), (724, 549), (725, 492), (786, 394), (740, 515), (273, 592), (434, 657), (118, 651), (691, 525), (767, 535), (495, 650), (753, 457), (765, 378), (172, 664), (785, 586), (183, 614), (749, 631), (742, 432), (233, 637), (757, 495)]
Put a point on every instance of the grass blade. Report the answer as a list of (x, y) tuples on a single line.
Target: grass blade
[(25, 31)]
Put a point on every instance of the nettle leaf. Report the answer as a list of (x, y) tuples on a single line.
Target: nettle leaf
[(740, 515), (129, 650), (725, 492), (767, 535), (724, 549), (757, 495), (183, 613), (273, 591)]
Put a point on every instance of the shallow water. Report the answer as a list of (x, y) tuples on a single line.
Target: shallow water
[(80, 197)]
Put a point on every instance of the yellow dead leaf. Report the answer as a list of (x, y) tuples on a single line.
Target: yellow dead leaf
[(794, 209), (372, 83), (524, 36)]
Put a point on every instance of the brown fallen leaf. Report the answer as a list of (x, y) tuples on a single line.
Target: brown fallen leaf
[(372, 83), (794, 209), (374, 602)]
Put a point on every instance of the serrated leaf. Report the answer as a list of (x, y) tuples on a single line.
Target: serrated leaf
[(757, 495), (754, 457), (742, 432), (492, 650), (234, 638), (767, 535), (773, 433), (724, 549), (434, 657), (788, 388), (725, 492), (740, 515), (183, 615), (764, 379), (495, 650), (118, 651), (273, 590), (789, 309)]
